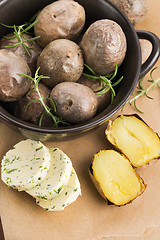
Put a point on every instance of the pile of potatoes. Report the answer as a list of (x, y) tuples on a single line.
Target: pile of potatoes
[(60, 53)]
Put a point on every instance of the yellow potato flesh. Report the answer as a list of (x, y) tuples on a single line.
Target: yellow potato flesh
[(118, 180), (135, 139)]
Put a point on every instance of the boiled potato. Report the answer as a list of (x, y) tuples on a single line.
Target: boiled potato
[(33, 49), (12, 85), (62, 61), (74, 102), (115, 178), (103, 46), (134, 138), (60, 19), (35, 109)]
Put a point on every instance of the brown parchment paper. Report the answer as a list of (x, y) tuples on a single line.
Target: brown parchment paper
[(89, 218)]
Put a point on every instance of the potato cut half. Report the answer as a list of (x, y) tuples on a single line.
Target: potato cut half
[(134, 138), (115, 178)]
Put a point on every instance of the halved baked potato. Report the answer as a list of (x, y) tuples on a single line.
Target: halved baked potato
[(134, 138), (115, 178)]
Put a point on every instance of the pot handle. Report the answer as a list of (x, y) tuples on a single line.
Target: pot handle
[(153, 57)]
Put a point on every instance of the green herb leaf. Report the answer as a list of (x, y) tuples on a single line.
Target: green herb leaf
[(141, 91), (41, 118), (12, 170), (105, 81), (90, 69), (35, 100), (59, 189), (18, 33), (37, 149), (47, 110)]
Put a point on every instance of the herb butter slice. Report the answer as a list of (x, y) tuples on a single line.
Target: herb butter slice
[(24, 166), (69, 194), (57, 176)]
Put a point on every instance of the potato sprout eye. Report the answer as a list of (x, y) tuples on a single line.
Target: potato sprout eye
[(66, 108), (70, 102)]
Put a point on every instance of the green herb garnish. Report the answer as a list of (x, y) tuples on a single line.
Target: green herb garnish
[(18, 33), (54, 149), (43, 197), (8, 180), (141, 91), (37, 149), (48, 110), (105, 80), (7, 160), (12, 170), (59, 189)]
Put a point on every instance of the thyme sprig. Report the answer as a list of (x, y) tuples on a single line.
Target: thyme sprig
[(18, 33), (141, 91), (105, 80), (48, 110)]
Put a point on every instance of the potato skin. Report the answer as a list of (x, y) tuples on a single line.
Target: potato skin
[(60, 19), (35, 109), (12, 85), (97, 184), (62, 61), (74, 102), (33, 49), (103, 100), (135, 10), (103, 46)]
